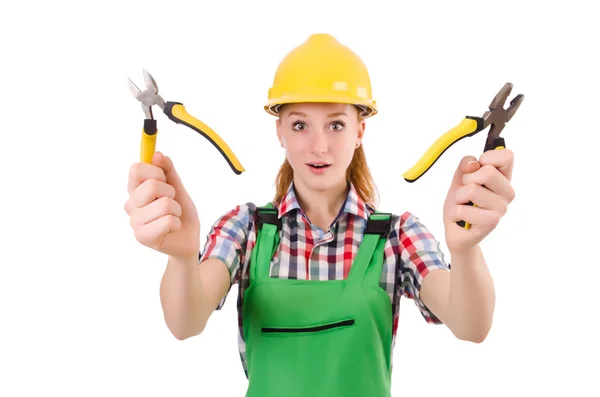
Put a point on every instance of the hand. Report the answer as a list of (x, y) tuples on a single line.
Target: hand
[(162, 214), (486, 183)]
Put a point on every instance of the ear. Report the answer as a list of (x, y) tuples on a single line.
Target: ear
[(361, 131), (279, 132)]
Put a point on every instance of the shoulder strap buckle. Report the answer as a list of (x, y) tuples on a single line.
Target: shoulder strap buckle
[(267, 215), (379, 223)]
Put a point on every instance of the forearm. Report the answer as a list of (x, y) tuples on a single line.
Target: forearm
[(471, 296), (181, 298)]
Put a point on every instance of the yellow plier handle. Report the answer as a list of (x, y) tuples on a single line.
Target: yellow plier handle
[(469, 126), (177, 113), (148, 146)]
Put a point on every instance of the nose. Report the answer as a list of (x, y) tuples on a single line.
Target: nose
[(319, 142)]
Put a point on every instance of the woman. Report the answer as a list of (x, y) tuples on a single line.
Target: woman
[(320, 272)]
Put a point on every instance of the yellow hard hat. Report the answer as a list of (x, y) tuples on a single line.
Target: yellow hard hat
[(321, 70)]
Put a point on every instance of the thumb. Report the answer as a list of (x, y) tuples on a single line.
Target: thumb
[(466, 165), (173, 178), (181, 195), (166, 164)]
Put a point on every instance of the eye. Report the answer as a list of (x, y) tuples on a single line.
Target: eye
[(338, 125), (299, 126)]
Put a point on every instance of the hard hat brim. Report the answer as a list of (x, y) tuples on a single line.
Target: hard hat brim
[(369, 106)]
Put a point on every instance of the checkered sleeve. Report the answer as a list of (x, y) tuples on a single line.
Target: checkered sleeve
[(420, 253), (226, 241)]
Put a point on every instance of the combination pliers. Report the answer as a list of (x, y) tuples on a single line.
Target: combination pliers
[(495, 117)]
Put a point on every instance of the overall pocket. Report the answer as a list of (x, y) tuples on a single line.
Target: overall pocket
[(307, 329)]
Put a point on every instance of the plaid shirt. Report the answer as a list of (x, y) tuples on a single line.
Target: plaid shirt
[(308, 252)]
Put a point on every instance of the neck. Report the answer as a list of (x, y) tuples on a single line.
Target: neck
[(321, 206)]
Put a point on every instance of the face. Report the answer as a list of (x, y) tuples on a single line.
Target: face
[(320, 140)]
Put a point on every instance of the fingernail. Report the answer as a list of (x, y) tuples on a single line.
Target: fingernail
[(473, 162)]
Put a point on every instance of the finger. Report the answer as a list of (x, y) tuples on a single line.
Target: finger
[(502, 159), (490, 177), (475, 216), (153, 233), (481, 197), (157, 209), (140, 172), (148, 191)]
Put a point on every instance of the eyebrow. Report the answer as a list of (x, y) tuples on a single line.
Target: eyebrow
[(337, 114), (297, 114), (300, 114)]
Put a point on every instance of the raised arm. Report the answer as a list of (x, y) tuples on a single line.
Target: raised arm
[(164, 218)]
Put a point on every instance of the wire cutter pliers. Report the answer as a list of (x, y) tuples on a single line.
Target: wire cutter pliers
[(176, 112), (495, 117)]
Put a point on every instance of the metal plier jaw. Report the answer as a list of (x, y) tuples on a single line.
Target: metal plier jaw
[(149, 97), (177, 113), (497, 116)]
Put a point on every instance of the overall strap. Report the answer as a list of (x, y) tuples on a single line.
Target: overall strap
[(369, 259), (267, 240)]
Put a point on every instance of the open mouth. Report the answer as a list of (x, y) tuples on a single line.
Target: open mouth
[(318, 166)]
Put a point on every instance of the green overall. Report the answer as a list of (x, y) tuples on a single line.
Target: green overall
[(318, 338)]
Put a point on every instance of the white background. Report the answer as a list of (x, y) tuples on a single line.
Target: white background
[(80, 307)]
